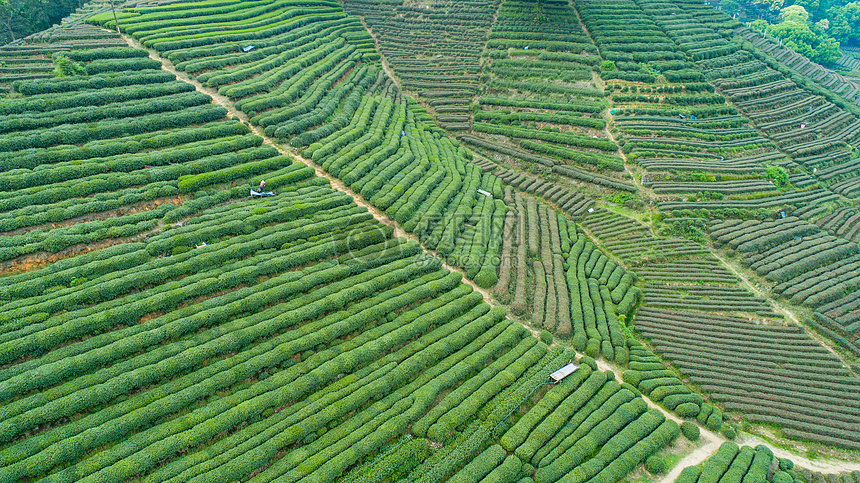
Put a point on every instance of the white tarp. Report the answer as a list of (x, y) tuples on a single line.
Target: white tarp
[(564, 372)]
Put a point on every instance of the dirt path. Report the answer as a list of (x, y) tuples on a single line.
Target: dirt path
[(335, 182), (820, 465), (711, 440), (385, 66), (700, 454), (608, 118), (782, 309), (714, 440)]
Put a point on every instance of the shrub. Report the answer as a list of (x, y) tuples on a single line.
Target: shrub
[(782, 477), (589, 361), (546, 337), (715, 420), (689, 474), (592, 349), (481, 465), (690, 430), (687, 410), (760, 466), (704, 413), (675, 400), (655, 464)]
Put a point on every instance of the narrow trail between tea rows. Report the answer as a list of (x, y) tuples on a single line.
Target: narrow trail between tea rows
[(700, 454)]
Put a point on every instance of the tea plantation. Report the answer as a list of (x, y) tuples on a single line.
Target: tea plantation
[(459, 200)]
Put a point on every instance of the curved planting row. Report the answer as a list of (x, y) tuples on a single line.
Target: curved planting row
[(558, 436), (556, 439), (748, 464), (625, 36), (682, 132), (433, 49), (805, 120), (753, 367), (843, 222), (540, 80), (809, 267)]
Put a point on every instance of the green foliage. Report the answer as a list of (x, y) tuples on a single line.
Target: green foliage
[(715, 420), (778, 174), (689, 474), (655, 464), (688, 409), (716, 465), (546, 337), (27, 16), (690, 430), (804, 38), (64, 66), (693, 229)]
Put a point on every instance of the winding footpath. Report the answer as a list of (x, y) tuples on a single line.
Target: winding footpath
[(713, 440), (335, 182)]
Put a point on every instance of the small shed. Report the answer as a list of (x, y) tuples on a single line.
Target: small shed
[(565, 371), (248, 48)]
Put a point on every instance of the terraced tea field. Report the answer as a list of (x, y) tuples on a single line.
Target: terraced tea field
[(466, 198)]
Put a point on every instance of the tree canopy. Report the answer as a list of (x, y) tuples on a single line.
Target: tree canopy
[(19, 18)]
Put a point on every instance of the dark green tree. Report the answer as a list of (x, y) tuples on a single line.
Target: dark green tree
[(19, 18)]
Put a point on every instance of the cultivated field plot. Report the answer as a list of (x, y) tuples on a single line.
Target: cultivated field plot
[(813, 130), (166, 358), (624, 429), (433, 48), (159, 324), (588, 300), (846, 87), (746, 463), (850, 59), (380, 145), (634, 242), (163, 349), (311, 80), (32, 57), (87, 160), (567, 199), (680, 278), (807, 266), (682, 132), (542, 105), (773, 373)]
